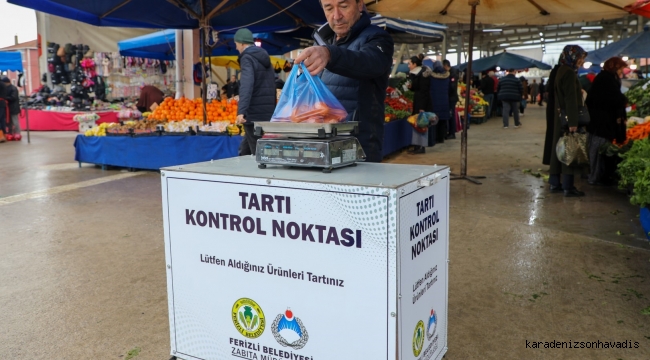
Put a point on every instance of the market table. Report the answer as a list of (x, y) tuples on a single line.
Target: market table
[(153, 152), (44, 120), (397, 135), (291, 263)]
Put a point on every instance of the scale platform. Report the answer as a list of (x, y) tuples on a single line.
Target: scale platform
[(328, 154), (302, 130)]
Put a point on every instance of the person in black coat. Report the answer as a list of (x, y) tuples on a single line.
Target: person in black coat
[(420, 84), (550, 116), (606, 104), (257, 95), (4, 109), (232, 88)]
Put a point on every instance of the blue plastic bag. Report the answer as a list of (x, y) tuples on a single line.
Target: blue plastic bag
[(306, 99)]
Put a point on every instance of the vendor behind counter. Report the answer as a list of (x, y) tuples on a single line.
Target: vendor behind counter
[(149, 95)]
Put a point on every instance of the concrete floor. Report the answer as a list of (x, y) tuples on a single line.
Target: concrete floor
[(82, 270)]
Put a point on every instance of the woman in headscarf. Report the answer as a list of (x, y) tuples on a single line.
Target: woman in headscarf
[(568, 97), (420, 78), (606, 105)]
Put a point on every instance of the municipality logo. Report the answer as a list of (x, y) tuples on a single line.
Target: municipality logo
[(418, 338), (248, 318), (289, 331), (433, 323)]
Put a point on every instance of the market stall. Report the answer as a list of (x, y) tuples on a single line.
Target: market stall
[(153, 152), (633, 155), (44, 120)]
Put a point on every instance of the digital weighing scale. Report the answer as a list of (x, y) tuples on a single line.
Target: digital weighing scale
[(323, 146)]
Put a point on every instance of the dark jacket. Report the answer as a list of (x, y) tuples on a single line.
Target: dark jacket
[(357, 75), (568, 96), (4, 99), (550, 116), (510, 88), (487, 85), (421, 87), (257, 96), (14, 100), (606, 103), (232, 88), (453, 85)]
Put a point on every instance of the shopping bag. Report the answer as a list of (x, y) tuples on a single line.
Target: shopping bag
[(306, 99), (422, 121), (571, 149)]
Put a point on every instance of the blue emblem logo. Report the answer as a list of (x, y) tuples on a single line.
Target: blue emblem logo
[(432, 324), (289, 331)]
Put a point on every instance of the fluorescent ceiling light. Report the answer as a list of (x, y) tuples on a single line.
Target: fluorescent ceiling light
[(542, 39), (451, 50), (505, 44), (602, 64), (587, 65), (541, 34), (597, 27), (492, 30), (625, 58), (633, 67)]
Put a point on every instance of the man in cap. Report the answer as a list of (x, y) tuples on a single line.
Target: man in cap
[(257, 94), (355, 58)]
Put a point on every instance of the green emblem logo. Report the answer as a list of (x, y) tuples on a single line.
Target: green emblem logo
[(248, 318), (418, 338)]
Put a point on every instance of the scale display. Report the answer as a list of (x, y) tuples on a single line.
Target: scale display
[(311, 154), (291, 153), (271, 152)]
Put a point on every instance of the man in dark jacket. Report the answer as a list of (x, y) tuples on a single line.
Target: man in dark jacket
[(453, 99), (487, 88), (4, 110), (256, 88), (232, 88), (13, 100), (355, 58), (510, 93)]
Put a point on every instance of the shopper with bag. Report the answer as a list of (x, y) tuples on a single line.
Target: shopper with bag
[(355, 58), (257, 96), (568, 110), (420, 84), (607, 114)]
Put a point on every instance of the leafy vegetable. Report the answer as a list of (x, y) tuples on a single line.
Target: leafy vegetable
[(635, 171)]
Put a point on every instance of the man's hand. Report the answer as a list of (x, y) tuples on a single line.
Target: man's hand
[(315, 58), (240, 119)]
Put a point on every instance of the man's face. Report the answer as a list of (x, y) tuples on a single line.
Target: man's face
[(240, 47), (233, 78), (446, 67), (342, 15)]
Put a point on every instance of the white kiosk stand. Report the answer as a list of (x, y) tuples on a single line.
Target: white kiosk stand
[(290, 263)]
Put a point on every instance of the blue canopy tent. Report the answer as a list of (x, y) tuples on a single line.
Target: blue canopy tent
[(636, 46), (411, 31), (220, 15), (505, 61), (216, 15), (161, 45), (11, 61)]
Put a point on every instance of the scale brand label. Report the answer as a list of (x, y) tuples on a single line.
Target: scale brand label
[(267, 273)]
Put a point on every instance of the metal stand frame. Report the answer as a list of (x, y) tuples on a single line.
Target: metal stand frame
[(468, 81)]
